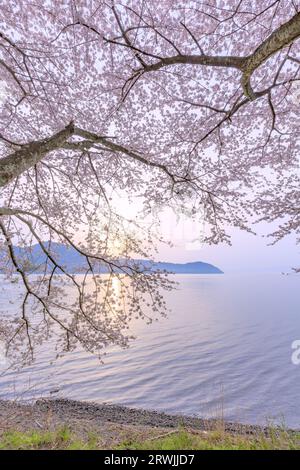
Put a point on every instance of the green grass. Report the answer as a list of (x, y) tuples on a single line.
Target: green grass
[(64, 438), (33, 439), (217, 440)]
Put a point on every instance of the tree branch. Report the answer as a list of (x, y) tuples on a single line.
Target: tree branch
[(280, 38), (30, 154)]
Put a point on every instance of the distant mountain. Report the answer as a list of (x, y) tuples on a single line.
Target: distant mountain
[(33, 260), (197, 267)]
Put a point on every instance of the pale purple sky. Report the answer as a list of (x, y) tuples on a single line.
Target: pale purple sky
[(248, 253)]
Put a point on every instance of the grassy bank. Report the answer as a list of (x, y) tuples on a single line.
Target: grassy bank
[(69, 424), (179, 439)]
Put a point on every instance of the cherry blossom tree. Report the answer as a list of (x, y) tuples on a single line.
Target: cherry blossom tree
[(192, 104)]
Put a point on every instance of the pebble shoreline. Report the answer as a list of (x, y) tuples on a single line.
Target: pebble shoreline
[(65, 410)]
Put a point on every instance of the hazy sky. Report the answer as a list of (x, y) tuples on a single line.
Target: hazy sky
[(247, 253)]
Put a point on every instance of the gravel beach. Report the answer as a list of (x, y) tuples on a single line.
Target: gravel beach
[(112, 422)]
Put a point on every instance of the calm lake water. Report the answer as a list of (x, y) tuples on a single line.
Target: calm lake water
[(224, 350)]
